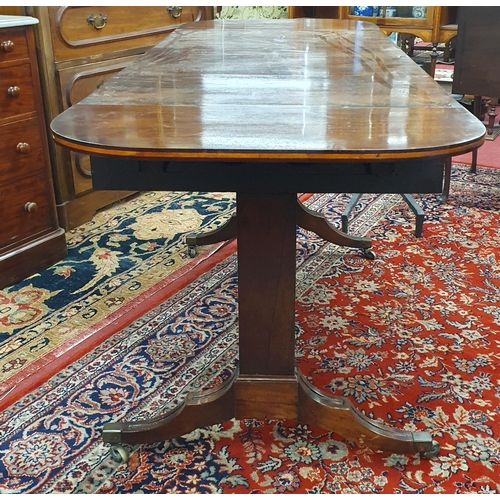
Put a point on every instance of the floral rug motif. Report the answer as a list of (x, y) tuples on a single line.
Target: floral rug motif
[(412, 338), (114, 264)]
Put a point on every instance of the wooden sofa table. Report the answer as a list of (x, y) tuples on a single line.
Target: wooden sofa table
[(269, 109)]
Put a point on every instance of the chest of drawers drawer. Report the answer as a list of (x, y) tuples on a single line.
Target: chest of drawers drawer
[(86, 31), (76, 83), (21, 152), (26, 211), (16, 91), (13, 46)]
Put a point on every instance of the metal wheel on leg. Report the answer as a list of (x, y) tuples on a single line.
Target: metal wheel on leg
[(119, 454), (192, 251)]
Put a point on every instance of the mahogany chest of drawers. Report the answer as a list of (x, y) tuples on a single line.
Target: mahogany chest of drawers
[(82, 47), (30, 236)]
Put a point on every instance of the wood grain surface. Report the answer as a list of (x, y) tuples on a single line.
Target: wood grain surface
[(296, 89)]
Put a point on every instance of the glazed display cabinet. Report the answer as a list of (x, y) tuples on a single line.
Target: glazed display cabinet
[(431, 24), (434, 25)]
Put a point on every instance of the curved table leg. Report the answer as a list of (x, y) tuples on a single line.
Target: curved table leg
[(197, 410), (338, 415), (348, 209), (226, 232), (306, 218), (268, 397), (417, 210), (317, 223)]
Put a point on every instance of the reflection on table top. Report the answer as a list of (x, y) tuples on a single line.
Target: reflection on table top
[(14, 21), (303, 89)]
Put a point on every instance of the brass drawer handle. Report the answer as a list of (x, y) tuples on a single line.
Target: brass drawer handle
[(174, 11), (31, 207), (14, 91), (24, 148), (8, 46), (98, 21)]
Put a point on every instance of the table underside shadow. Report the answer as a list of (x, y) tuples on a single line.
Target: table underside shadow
[(267, 383)]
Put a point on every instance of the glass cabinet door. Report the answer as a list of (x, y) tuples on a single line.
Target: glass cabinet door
[(407, 12)]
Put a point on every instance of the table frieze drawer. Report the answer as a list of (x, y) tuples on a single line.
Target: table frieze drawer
[(13, 45), (84, 31), (16, 91), (26, 210), (406, 176), (21, 151)]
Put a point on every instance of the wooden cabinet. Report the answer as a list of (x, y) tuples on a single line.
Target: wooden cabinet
[(436, 25), (30, 236), (477, 62), (82, 47)]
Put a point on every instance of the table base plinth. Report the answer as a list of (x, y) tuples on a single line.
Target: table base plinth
[(270, 398)]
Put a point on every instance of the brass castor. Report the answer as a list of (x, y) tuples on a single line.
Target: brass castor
[(369, 253), (433, 452)]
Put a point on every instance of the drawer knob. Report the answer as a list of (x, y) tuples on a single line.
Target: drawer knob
[(31, 207), (24, 148), (14, 91), (8, 46), (174, 11), (98, 21)]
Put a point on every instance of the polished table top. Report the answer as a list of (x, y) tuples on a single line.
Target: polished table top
[(302, 89)]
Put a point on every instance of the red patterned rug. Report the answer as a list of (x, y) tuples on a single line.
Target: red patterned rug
[(412, 338)]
